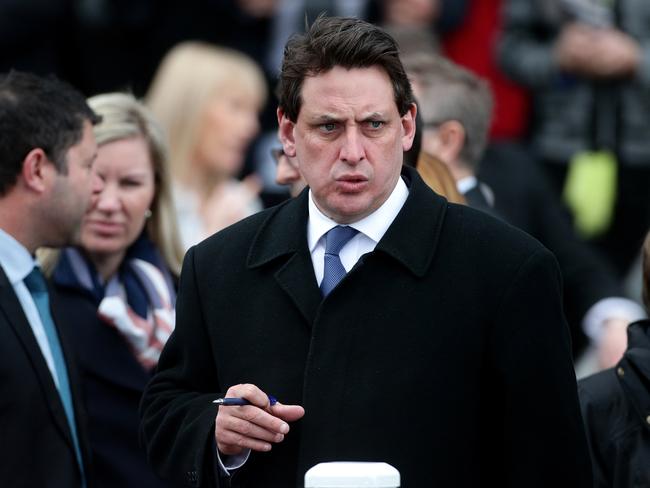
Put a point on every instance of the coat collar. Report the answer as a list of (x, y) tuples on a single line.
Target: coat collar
[(635, 369), (285, 231)]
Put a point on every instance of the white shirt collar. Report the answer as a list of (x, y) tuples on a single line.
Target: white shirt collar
[(373, 226), (466, 184), (15, 259)]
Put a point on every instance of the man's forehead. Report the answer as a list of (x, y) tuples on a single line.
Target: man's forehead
[(340, 90)]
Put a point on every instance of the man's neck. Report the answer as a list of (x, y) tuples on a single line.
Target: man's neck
[(16, 221)]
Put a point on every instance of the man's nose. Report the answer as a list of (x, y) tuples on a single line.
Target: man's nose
[(352, 150)]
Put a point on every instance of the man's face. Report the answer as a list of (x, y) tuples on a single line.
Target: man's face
[(287, 173), (348, 140), (71, 193)]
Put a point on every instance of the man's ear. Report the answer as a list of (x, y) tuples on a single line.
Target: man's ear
[(36, 170), (452, 140), (285, 133), (408, 125)]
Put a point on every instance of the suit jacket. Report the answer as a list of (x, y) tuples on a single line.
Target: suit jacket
[(443, 352), (37, 447)]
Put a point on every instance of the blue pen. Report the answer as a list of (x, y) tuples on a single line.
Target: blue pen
[(237, 401)]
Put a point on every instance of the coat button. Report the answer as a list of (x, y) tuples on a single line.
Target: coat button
[(647, 419), (620, 372)]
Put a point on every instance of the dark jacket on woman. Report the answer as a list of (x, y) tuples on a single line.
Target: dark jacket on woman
[(112, 381), (616, 411)]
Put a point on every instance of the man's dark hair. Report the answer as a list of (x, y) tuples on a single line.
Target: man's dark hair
[(38, 112), (338, 41)]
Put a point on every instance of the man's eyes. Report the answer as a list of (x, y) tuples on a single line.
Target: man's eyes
[(328, 127), (370, 124)]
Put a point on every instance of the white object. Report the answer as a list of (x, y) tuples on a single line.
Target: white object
[(352, 475)]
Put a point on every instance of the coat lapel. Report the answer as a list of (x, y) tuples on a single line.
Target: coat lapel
[(15, 316), (282, 239), (409, 241)]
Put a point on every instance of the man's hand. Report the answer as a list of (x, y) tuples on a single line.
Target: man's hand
[(256, 426), (596, 52)]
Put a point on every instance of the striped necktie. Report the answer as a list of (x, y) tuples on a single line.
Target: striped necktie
[(333, 271)]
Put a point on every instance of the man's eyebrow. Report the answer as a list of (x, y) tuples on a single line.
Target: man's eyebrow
[(374, 116), (324, 118)]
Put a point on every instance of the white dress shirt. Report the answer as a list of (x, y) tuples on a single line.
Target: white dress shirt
[(371, 229), (17, 263)]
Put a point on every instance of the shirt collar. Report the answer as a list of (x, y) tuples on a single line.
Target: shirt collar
[(373, 226), (466, 184), (15, 259)]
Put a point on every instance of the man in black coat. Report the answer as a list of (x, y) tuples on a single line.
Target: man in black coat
[(616, 407), (503, 181), (47, 149), (404, 329)]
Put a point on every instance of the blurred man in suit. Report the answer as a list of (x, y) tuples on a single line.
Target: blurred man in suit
[(47, 149), (456, 108), (364, 288)]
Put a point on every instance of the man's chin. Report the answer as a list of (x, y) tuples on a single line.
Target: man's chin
[(71, 237)]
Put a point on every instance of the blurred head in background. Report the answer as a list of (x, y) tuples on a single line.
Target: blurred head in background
[(208, 100), (136, 194)]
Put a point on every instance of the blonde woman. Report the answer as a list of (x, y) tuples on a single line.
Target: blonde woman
[(116, 291), (208, 100)]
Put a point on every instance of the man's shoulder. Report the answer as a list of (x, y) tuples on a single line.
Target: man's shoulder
[(238, 238), (477, 228)]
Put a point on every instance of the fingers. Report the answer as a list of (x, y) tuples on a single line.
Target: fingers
[(288, 413), (248, 428), (256, 426), (251, 393)]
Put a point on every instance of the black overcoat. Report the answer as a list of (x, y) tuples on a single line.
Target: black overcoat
[(443, 352)]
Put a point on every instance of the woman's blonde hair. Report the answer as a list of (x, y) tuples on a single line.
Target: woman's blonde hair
[(186, 81), (124, 117)]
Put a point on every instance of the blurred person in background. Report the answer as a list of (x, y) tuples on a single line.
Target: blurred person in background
[(456, 107), (208, 100), (287, 172), (587, 65), (47, 152), (616, 407), (116, 290)]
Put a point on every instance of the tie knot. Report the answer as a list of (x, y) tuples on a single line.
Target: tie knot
[(337, 237), (35, 281)]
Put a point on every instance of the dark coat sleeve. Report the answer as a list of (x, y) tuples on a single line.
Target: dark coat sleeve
[(178, 417), (595, 413), (540, 402)]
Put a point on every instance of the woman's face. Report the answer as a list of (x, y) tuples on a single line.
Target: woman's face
[(118, 215), (229, 124)]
